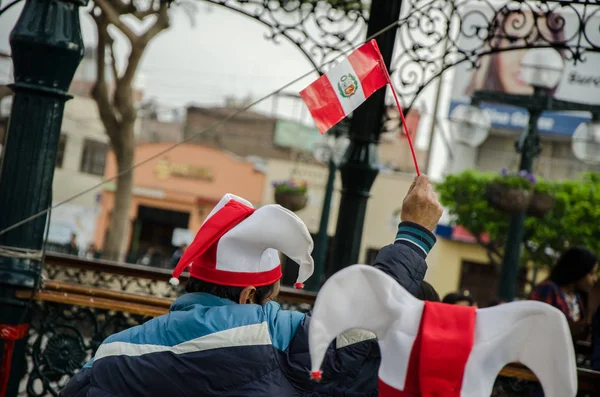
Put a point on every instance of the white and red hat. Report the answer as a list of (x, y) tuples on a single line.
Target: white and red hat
[(237, 245), (431, 349)]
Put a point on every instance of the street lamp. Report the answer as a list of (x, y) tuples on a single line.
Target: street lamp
[(541, 68), (329, 150), (586, 142), (470, 125)]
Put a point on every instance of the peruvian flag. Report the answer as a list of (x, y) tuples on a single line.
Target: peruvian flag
[(336, 94)]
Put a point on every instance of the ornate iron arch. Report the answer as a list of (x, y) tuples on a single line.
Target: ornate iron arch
[(321, 29), (430, 38)]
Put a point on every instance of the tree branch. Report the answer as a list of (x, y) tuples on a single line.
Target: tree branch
[(113, 58), (141, 15), (114, 17), (161, 23), (138, 47), (100, 89)]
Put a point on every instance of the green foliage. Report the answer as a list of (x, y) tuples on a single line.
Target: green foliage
[(574, 220)]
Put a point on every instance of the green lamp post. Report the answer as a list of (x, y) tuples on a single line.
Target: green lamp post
[(47, 47), (330, 150)]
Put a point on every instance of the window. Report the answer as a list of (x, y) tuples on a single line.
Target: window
[(60, 152), (93, 160), (481, 280)]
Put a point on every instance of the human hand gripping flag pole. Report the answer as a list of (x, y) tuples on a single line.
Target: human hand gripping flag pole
[(340, 91)]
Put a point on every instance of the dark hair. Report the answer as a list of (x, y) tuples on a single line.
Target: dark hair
[(496, 302), (573, 265), (223, 291), (455, 297), (428, 293)]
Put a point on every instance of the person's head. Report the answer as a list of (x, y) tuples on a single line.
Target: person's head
[(457, 298), (73, 238), (235, 254), (428, 293), (577, 268), (241, 295), (496, 302)]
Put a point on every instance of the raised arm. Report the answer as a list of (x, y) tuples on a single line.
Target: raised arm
[(352, 362)]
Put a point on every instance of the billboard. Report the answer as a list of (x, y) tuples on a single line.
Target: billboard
[(501, 71)]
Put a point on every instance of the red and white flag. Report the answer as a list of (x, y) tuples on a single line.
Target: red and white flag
[(339, 92)]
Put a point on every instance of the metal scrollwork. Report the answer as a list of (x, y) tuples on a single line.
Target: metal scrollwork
[(321, 29), (5, 8), (436, 35), (118, 282), (63, 338)]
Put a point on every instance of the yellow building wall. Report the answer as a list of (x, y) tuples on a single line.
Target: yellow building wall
[(445, 263)]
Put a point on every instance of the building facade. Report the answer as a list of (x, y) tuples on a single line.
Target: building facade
[(80, 165), (174, 193)]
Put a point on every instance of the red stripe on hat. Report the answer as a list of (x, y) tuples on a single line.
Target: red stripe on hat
[(369, 67), (236, 279), (323, 104), (447, 336), (202, 251)]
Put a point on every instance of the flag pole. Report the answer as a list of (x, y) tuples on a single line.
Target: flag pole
[(389, 81), (412, 148)]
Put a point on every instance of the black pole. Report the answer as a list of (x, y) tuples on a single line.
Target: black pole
[(321, 247), (509, 276), (360, 165), (47, 47)]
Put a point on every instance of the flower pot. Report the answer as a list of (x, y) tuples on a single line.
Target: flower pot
[(540, 204), (293, 201), (510, 200)]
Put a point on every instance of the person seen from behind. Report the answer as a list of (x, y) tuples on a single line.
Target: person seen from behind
[(567, 288), (458, 298), (428, 293), (227, 337)]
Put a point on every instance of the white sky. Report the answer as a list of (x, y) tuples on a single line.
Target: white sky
[(223, 54)]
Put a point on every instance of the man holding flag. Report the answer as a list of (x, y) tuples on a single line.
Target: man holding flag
[(226, 336)]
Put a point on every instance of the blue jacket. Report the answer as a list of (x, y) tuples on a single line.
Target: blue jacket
[(208, 346)]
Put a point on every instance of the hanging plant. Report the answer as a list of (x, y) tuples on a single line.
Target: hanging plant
[(541, 203), (511, 193), (291, 194)]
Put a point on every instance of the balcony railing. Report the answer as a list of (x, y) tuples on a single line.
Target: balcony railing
[(81, 302)]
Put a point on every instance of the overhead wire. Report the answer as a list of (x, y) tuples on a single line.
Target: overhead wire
[(203, 131)]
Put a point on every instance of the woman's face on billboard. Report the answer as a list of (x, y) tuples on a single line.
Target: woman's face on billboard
[(509, 62)]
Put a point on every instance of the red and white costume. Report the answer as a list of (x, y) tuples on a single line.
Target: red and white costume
[(237, 245), (432, 349)]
